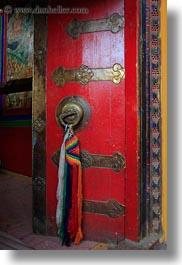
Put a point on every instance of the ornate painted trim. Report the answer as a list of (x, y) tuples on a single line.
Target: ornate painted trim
[(155, 116), (150, 80), (163, 34)]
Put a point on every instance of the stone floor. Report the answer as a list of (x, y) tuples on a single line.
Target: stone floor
[(16, 215)]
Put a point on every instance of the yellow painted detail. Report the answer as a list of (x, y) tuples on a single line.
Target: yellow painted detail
[(164, 114)]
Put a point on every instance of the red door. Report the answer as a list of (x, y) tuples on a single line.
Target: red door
[(105, 132)]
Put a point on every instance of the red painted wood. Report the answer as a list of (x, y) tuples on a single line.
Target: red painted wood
[(132, 120), (106, 132), (16, 149)]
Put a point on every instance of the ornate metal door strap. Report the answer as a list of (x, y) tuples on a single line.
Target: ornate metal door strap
[(84, 75), (115, 162), (110, 208), (114, 23)]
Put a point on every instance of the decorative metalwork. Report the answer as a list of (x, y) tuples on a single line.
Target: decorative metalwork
[(84, 75), (116, 162), (55, 158), (39, 184), (114, 23), (71, 114), (110, 208), (73, 110), (39, 125)]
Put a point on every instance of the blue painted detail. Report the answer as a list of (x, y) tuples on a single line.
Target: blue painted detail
[(153, 7), (153, 125), (34, 139), (154, 95), (155, 155), (16, 118), (154, 185)]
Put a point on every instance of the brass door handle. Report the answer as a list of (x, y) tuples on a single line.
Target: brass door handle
[(74, 111), (71, 114)]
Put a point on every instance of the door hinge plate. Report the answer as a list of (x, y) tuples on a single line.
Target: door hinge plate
[(111, 208), (116, 162), (114, 23), (84, 75)]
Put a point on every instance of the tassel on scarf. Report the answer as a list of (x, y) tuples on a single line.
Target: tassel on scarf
[(70, 184), (73, 220)]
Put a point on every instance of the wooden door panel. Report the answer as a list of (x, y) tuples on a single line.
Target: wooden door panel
[(105, 132)]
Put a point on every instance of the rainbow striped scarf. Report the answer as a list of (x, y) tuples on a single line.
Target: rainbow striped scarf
[(69, 227)]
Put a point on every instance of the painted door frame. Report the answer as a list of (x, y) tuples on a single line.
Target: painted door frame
[(148, 201), (153, 126)]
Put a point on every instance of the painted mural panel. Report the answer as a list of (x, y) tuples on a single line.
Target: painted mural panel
[(2, 57), (19, 46), (1, 41), (16, 109), (2, 48), (17, 103), (16, 61), (21, 100)]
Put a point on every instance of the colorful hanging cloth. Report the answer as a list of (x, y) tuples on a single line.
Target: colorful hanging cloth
[(61, 181), (69, 221)]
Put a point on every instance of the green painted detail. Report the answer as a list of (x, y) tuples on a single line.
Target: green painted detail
[(153, 140), (16, 123), (154, 110)]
